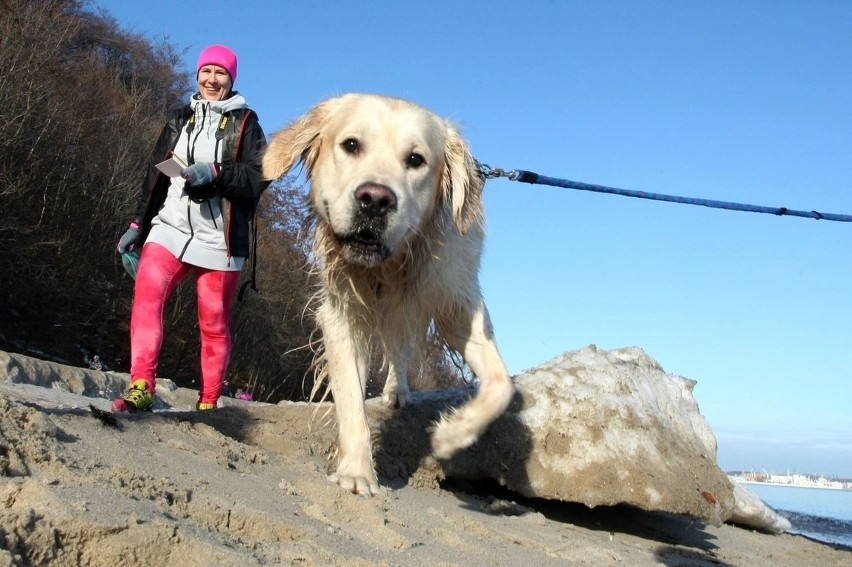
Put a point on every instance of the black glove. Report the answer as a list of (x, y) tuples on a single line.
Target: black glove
[(200, 193)]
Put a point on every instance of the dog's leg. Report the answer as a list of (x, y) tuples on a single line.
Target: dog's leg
[(347, 369), (396, 392), (474, 339)]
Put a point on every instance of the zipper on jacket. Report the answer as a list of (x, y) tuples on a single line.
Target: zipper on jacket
[(191, 230), (212, 216)]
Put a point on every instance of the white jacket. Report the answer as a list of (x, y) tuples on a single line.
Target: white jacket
[(193, 232)]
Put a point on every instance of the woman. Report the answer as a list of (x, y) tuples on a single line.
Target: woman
[(196, 223)]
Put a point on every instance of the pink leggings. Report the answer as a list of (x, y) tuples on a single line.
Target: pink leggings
[(158, 274)]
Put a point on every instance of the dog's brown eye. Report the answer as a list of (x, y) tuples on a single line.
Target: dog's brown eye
[(350, 146), (415, 161)]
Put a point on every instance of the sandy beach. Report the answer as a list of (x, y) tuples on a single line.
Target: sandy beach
[(246, 485)]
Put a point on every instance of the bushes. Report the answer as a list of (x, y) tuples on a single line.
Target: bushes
[(70, 94)]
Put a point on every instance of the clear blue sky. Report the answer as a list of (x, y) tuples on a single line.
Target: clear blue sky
[(744, 101)]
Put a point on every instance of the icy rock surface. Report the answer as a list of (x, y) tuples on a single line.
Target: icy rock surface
[(610, 427)]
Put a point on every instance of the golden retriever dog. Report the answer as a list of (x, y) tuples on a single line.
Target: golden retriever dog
[(396, 199)]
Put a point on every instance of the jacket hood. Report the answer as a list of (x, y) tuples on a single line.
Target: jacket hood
[(234, 102)]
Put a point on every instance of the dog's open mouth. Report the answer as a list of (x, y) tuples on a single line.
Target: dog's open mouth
[(364, 247)]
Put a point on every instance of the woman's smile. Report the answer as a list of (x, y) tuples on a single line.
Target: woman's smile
[(214, 83)]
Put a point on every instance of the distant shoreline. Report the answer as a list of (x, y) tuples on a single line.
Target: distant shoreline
[(789, 484)]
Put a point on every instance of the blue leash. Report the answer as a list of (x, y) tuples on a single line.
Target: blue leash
[(536, 179)]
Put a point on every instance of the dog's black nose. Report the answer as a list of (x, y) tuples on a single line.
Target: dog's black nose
[(375, 199)]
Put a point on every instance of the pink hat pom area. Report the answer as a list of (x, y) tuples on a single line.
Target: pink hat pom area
[(219, 55)]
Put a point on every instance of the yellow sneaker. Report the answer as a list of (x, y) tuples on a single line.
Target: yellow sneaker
[(137, 398), (201, 406)]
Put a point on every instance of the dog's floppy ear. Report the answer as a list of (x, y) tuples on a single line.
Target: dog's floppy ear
[(297, 142), (462, 182)]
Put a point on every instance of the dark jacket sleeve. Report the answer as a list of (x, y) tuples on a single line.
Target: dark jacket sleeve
[(162, 149), (242, 179)]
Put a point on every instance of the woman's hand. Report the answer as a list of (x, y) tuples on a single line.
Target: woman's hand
[(200, 173), (199, 181), (127, 242)]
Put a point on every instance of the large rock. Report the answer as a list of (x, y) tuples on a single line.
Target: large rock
[(593, 427), (613, 427)]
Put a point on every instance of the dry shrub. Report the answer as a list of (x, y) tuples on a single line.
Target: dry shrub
[(80, 102), (271, 327)]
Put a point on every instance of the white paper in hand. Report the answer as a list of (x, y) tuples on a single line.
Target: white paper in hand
[(172, 166)]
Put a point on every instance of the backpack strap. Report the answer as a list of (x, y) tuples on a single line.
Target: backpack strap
[(253, 260), (253, 256)]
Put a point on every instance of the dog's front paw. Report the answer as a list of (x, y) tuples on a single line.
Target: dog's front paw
[(363, 485), (452, 434), (396, 394)]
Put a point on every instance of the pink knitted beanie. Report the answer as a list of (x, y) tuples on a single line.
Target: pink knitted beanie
[(219, 55)]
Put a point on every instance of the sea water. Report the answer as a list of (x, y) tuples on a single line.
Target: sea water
[(819, 513)]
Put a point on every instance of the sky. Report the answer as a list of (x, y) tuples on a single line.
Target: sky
[(742, 101)]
